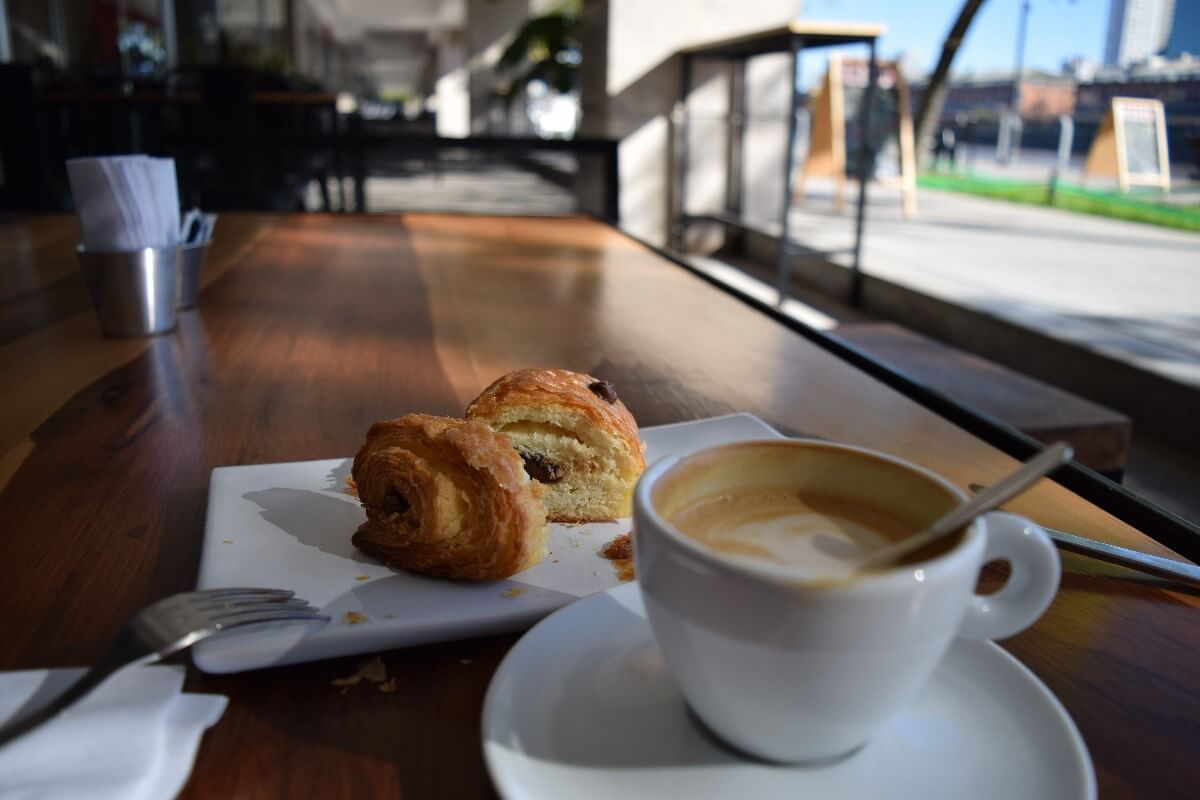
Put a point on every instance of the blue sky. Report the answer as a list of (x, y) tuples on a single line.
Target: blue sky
[(1058, 29)]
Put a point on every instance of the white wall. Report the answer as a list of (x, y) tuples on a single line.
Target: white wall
[(769, 101), (643, 85), (452, 90)]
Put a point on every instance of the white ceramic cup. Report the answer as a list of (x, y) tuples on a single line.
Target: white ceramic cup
[(796, 670)]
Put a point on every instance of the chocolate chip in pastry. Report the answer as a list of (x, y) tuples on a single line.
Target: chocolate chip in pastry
[(575, 436), (447, 498)]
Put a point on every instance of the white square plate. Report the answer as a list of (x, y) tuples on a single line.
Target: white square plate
[(288, 526)]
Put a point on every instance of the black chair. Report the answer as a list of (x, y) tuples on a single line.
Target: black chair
[(232, 152), (26, 171)]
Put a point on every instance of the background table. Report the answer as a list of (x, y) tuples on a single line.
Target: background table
[(310, 328)]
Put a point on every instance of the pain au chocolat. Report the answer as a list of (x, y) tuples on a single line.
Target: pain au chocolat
[(447, 498), (574, 435)]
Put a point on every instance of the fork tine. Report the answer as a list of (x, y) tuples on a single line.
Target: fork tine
[(273, 616), (228, 599), (260, 610), (247, 601), (253, 591)]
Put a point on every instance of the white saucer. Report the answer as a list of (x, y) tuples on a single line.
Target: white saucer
[(583, 706)]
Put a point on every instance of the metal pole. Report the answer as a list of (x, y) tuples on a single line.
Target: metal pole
[(866, 158), (170, 35), (612, 183), (261, 26), (735, 144), (58, 32), (5, 42), (1010, 127), (1015, 97), (685, 88), (789, 167), (1066, 136)]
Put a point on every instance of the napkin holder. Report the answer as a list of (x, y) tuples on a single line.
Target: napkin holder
[(191, 264), (134, 293)]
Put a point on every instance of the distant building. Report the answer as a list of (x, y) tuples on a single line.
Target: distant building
[(1176, 83), (1185, 30), (1082, 89), (974, 103), (1081, 69), (1138, 29), (1042, 94)]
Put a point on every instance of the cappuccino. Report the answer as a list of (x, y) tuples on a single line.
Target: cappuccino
[(777, 641), (815, 532)]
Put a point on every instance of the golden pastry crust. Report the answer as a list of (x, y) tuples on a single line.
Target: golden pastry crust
[(574, 433), (560, 387), (447, 498)]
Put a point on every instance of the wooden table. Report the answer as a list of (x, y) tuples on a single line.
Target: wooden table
[(312, 327)]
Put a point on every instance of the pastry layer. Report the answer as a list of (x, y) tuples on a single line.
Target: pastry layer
[(574, 436), (447, 498)]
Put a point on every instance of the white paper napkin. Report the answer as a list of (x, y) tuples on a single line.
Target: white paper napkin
[(125, 202), (134, 737)]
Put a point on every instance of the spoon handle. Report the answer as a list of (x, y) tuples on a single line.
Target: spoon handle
[(1033, 470)]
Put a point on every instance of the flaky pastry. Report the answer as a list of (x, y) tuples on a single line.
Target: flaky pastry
[(575, 436), (447, 498)]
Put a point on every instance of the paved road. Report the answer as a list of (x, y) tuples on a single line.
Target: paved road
[(1128, 290)]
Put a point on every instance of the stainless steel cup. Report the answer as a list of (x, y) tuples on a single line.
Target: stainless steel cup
[(134, 293), (191, 264)]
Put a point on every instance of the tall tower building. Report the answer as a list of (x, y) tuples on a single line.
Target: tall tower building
[(1137, 29), (1185, 30)]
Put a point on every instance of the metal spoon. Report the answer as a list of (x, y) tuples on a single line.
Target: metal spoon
[(1031, 472)]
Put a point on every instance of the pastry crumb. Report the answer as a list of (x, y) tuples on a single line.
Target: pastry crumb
[(619, 548), (516, 591), (620, 552), (227, 541), (625, 569), (388, 686), (372, 670), (354, 618), (363, 578), (389, 615), (555, 561)]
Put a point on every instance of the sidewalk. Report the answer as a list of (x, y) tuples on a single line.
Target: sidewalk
[(1126, 290)]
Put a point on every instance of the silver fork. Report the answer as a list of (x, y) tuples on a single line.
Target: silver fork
[(167, 627)]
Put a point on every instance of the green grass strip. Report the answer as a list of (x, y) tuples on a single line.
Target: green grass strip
[(1069, 198)]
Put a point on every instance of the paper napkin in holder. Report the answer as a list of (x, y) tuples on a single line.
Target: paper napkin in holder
[(134, 737), (128, 208), (125, 203)]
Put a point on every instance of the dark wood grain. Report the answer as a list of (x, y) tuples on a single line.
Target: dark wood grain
[(311, 327)]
